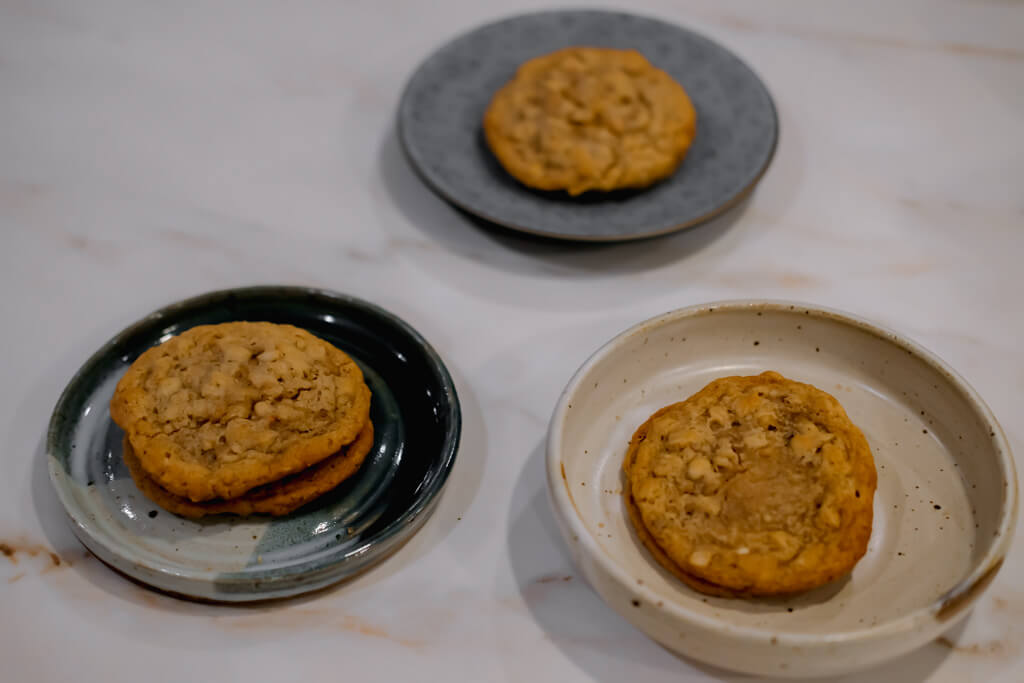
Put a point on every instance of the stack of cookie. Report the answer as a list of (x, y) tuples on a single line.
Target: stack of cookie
[(243, 418), (752, 486)]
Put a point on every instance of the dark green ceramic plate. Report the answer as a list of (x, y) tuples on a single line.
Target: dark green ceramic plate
[(417, 422)]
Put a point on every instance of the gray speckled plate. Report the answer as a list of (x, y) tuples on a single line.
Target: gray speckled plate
[(441, 111), (227, 558)]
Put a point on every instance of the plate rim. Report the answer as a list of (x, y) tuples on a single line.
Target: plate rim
[(944, 609), (270, 582), (447, 195)]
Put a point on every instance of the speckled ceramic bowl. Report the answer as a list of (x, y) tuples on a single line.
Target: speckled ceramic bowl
[(945, 508), (226, 558)]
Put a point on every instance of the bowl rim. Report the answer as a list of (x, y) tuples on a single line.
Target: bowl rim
[(272, 580), (951, 603)]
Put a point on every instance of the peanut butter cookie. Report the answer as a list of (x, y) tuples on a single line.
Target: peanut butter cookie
[(276, 498), (587, 118), (756, 485), (694, 582), (221, 409)]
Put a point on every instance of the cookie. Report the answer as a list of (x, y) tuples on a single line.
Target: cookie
[(221, 409), (757, 485), (276, 498), (587, 118), (665, 561)]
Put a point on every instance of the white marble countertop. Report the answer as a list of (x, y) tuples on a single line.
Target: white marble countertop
[(152, 151)]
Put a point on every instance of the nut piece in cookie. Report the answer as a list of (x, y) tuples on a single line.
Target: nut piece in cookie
[(221, 409), (756, 485), (587, 118)]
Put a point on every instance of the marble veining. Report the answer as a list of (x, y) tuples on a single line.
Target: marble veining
[(151, 152)]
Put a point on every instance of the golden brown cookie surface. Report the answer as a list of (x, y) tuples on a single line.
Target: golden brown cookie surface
[(586, 118), (758, 485), (276, 498), (221, 409), (694, 582)]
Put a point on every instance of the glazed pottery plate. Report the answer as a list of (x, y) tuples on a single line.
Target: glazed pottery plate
[(415, 412), (944, 510), (441, 113)]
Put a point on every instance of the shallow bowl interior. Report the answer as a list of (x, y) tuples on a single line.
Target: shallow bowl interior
[(943, 508)]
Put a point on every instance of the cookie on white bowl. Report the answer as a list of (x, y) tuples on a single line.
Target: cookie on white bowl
[(944, 510)]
